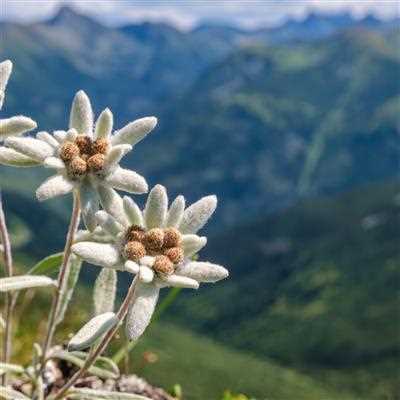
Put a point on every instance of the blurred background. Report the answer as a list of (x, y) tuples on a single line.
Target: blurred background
[(289, 112)]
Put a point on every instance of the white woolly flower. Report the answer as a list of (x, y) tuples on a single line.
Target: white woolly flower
[(87, 157), (157, 245), (13, 126)]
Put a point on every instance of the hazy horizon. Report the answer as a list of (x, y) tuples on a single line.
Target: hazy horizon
[(244, 14)]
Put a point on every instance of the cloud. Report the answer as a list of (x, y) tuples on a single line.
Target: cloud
[(186, 13)]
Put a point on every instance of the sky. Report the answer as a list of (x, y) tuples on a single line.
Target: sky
[(187, 13)]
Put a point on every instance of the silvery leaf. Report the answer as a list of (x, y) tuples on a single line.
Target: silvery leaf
[(92, 394), (11, 394), (102, 362), (12, 368), (73, 359), (72, 279), (25, 282), (105, 290), (92, 330)]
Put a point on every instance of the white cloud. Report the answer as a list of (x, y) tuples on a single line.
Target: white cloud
[(185, 13)]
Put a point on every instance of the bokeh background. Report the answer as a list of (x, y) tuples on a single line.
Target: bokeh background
[(289, 112)]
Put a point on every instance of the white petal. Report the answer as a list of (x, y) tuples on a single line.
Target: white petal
[(180, 281), (108, 223), (60, 136), (203, 271), (89, 204), (15, 126), (147, 260), (146, 274), (141, 309), (81, 117), (132, 267), (49, 139), (102, 254), (72, 134), (125, 179), (135, 131), (175, 212), (104, 124), (54, 162), (115, 155), (113, 204), (15, 159), (133, 212), (156, 207), (56, 185), (34, 148), (5, 72), (192, 244), (196, 216)]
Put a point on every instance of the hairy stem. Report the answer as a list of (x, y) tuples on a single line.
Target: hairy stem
[(62, 276), (121, 314), (9, 303)]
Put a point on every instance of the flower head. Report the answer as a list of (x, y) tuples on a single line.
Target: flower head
[(157, 244), (87, 157), (13, 126)]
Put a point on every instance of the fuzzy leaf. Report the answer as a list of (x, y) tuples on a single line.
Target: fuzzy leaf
[(25, 282), (102, 362), (92, 394), (11, 394), (72, 279), (48, 265), (105, 290), (12, 368), (92, 330), (73, 359)]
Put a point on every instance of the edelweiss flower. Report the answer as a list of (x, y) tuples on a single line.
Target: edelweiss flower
[(157, 245), (13, 126), (87, 158)]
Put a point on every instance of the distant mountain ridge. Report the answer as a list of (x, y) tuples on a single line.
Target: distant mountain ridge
[(259, 124)]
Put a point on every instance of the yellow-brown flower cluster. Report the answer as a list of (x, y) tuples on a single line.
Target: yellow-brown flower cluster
[(84, 155), (165, 245)]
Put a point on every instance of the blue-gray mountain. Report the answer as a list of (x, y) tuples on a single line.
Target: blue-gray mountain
[(247, 115)]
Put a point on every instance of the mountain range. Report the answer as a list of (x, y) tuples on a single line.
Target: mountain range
[(278, 122), (258, 121)]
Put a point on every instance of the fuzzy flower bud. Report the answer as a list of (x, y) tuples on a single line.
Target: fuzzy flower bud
[(154, 239), (163, 265), (84, 143), (69, 151), (77, 166), (175, 254), (96, 162), (134, 251), (100, 146), (135, 233), (172, 237)]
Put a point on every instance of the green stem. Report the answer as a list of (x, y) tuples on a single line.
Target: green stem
[(9, 303), (121, 314), (62, 277)]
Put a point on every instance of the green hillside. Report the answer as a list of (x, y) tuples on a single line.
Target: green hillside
[(203, 368), (315, 287), (270, 124)]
